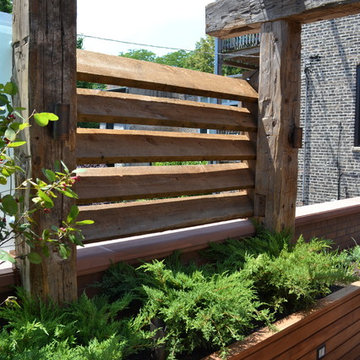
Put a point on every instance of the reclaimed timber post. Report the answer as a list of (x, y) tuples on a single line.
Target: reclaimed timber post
[(44, 53), (279, 134), (279, 117)]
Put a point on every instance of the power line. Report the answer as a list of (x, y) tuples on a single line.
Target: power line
[(131, 43), (150, 45)]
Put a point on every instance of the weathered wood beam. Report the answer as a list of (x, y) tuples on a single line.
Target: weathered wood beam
[(126, 219), (279, 117), (229, 18), (116, 146), (44, 37), (144, 182), (117, 70), (112, 107)]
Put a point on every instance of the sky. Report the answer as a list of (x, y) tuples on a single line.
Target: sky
[(176, 24)]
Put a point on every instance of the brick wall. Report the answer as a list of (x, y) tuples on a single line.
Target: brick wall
[(330, 54)]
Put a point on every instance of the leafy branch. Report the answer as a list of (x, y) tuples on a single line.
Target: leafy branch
[(17, 218)]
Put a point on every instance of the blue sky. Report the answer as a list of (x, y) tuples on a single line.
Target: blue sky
[(177, 24)]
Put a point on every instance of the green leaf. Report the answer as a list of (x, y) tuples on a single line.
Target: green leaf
[(74, 212), (15, 126), (85, 222), (34, 258), (5, 256), (69, 193), (47, 200), (24, 126), (10, 205), (7, 170), (16, 144), (77, 238), (63, 251), (10, 88), (42, 119), (3, 180), (50, 175), (3, 100), (65, 167), (10, 134)]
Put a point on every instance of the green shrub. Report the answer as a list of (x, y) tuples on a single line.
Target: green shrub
[(179, 308), (298, 276), (199, 311), (86, 329)]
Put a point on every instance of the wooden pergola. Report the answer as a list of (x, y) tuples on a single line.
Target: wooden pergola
[(45, 67)]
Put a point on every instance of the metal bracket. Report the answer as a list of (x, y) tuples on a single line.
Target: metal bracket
[(60, 128)]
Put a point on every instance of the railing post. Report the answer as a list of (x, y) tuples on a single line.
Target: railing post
[(44, 49), (279, 113)]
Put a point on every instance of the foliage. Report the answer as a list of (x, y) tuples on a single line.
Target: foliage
[(140, 54), (298, 276), (201, 59), (178, 307), (176, 58), (245, 282), (17, 218), (86, 329), (199, 311), (6, 6)]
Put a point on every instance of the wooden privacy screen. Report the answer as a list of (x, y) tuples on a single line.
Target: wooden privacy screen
[(130, 200)]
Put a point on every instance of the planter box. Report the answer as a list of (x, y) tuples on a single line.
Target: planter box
[(330, 331)]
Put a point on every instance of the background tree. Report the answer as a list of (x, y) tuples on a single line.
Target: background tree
[(176, 58), (201, 59), (141, 54), (6, 6)]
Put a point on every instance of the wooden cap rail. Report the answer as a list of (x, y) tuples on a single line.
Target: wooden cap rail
[(116, 70), (111, 107), (126, 219), (144, 182), (127, 146)]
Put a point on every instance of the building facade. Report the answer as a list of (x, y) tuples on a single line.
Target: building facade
[(329, 161)]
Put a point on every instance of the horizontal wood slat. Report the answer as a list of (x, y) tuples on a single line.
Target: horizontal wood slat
[(140, 182), (116, 70), (120, 220), (116, 146), (111, 107)]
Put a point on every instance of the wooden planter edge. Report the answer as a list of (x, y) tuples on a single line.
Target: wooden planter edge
[(262, 338)]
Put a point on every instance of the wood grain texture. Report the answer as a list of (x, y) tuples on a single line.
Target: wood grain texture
[(110, 107), (117, 70), (116, 146), (228, 18), (279, 113), (143, 182), (120, 220), (44, 40)]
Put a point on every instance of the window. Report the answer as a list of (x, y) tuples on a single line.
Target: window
[(357, 108)]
